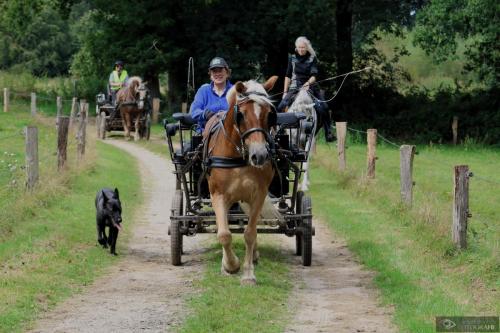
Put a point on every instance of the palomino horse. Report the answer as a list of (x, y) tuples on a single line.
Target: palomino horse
[(305, 104), (243, 136), (131, 101)]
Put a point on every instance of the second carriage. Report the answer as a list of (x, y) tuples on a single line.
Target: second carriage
[(108, 117)]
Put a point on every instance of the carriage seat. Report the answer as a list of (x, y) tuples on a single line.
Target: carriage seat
[(290, 119), (184, 118)]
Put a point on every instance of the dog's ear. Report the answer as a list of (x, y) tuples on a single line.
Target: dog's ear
[(104, 197), (116, 193)]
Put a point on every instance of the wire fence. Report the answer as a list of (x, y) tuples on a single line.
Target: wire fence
[(427, 157)]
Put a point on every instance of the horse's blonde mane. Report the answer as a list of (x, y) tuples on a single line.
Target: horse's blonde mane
[(134, 78), (254, 91)]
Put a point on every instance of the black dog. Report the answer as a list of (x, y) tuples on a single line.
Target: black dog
[(108, 214)]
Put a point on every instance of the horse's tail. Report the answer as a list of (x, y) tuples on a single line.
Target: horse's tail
[(268, 210)]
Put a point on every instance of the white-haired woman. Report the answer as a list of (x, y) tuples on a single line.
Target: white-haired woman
[(301, 74)]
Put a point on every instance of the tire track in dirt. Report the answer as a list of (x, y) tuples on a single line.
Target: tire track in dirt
[(335, 294), (143, 291)]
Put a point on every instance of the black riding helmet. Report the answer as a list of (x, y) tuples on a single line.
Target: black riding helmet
[(118, 63)]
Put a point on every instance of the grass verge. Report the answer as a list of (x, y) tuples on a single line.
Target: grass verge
[(48, 248), (419, 271)]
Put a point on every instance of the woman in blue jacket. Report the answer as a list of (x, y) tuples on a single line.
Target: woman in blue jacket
[(211, 97)]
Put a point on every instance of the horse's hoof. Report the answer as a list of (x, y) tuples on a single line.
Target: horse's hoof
[(227, 271), (248, 282)]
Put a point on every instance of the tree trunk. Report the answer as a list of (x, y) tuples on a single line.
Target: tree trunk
[(153, 85), (344, 55)]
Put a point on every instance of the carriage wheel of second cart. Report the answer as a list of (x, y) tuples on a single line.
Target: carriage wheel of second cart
[(306, 231), (175, 230), (298, 235)]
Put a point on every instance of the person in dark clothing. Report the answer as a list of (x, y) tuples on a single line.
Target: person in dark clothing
[(301, 74)]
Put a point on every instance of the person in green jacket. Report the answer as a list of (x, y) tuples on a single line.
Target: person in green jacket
[(117, 79)]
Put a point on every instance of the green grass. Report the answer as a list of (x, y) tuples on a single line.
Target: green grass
[(419, 271), (48, 248), (423, 70), (224, 306)]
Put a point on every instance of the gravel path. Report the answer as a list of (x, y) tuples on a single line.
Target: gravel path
[(336, 293), (143, 292)]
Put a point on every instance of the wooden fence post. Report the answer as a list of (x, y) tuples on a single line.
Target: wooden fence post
[(184, 107), (372, 149), (31, 143), (341, 128), (407, 153), (33, 104), (62, 141), (454, 129), (5, 99), (82, 130), (156, 110), (59, 110), (72, 115), (460, 206)]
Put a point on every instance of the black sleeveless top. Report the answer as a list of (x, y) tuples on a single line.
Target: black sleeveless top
[(301, 68)]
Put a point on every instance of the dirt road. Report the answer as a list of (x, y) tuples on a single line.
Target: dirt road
[(144, 293), (336, 293)]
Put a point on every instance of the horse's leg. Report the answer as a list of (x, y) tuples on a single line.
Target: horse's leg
[(248, 277), (136, 133), (125, 124), (256, 253), (230, 262)]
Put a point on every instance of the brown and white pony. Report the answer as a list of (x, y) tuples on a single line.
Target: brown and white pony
[(130, 101), (244, 134)]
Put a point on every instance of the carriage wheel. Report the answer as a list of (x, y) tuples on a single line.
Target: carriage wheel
[(298, 210), (147, 124), (306, 232), (175, 232), (102, 125)]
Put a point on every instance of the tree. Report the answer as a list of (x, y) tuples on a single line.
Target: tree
[(442, 21), (36, 35)]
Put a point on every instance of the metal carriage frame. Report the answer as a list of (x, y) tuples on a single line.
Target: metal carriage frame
[(191, 211)]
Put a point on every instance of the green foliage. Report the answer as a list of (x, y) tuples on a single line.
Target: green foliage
[(35, 37), (442, 21)]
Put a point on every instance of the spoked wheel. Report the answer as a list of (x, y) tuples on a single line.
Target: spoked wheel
[(306, 231), (298, 236), (175, 230)]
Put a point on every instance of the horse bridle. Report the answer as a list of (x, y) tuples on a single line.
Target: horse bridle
[(237, 118)]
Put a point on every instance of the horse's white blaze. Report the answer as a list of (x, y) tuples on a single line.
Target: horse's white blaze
[(257, 109)]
